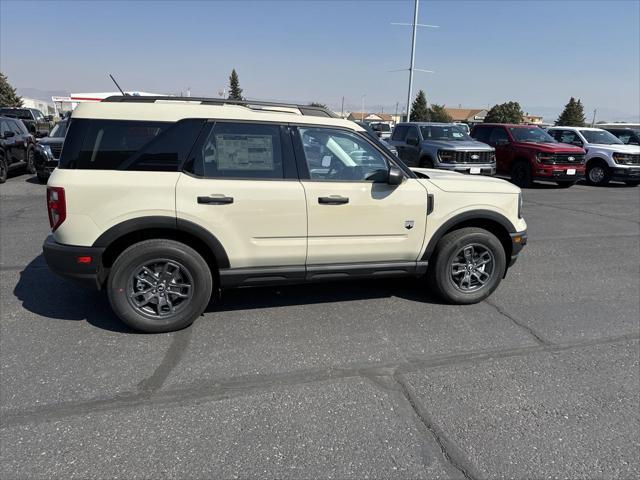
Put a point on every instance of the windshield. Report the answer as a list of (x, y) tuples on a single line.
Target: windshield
[(532, 135), (600, 137), (16, 113), (59, 130), (444, 132)]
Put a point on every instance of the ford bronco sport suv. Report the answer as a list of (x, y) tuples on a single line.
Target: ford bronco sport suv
[(442, 145), (608, 158), (528, 153), (162, 201)]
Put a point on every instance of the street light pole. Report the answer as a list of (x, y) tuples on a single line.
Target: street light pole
[(362, 113), (413, 58)]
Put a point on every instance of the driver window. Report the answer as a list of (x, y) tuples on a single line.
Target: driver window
[(337, 155), (569, 137)]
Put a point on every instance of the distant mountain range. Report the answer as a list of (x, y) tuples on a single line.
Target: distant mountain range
[(41, 94)]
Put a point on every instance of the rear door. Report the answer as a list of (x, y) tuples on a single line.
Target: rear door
[(354, 216), (241, 185)]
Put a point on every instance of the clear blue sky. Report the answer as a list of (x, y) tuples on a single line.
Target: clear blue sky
[(536, 52)]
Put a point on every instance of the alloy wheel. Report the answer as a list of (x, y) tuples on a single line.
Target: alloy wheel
[(472, 267), (160, 288), (597, 174)]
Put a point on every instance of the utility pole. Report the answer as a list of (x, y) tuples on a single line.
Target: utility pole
[(413, 57), (342, 108), (362, 113), (593, 122), (412, 67)]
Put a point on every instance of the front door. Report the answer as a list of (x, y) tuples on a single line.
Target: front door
[(499, 139), (354, 216), (242, 187)]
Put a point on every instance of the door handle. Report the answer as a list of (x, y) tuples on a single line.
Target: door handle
[(222, 200), (333, 200)]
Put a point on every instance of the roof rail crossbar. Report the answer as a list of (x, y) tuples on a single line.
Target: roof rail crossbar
[(304, 109)]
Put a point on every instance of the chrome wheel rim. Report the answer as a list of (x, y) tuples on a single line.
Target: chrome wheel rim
[(596, 174), (30, 160), (160, 288), (472, 267)]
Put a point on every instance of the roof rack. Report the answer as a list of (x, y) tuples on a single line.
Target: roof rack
[(253, 104)]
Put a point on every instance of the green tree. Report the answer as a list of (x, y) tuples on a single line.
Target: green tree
[(437, 113), (572, 115), (419, 110), (317, 104), (509, 112), (8, 95), (235, 92)]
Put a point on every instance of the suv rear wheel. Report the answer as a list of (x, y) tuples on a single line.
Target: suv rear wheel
[(598, 173), (30, 166), (159, 286), (521, 174), (469, 265)]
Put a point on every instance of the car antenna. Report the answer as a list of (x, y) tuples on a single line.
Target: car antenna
[(114, 81)]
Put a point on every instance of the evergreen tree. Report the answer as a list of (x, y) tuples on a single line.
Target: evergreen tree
[(437, 113), (317, 104), (235, 92), (419, 110), (572, 115), (509, 112), (8, 95)]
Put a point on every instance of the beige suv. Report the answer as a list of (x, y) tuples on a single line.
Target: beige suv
[(162, 200)]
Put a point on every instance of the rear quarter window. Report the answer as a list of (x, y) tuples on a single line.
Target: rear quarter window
[(128, 145)]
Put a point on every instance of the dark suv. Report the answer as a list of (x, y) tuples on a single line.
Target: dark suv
[(47, 154), (37, 123), (527, 153), (17, 147)]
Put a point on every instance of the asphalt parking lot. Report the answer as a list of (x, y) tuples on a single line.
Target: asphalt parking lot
[(354, 380)]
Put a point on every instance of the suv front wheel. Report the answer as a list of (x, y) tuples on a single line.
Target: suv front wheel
[(469, 265), (159, 286), (598, 173)]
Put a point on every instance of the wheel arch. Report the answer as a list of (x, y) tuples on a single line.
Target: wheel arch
[(493, 222), (119, 237)]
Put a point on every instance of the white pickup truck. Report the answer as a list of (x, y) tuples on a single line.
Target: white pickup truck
[(607, 157)]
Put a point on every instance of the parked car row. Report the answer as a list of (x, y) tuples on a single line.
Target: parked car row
[(34, 120), (524, 153), (17, 147)]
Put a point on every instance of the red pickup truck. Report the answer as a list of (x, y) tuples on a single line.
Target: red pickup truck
[(528, 153)]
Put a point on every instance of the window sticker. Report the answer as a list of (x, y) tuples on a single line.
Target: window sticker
[(244, 152)]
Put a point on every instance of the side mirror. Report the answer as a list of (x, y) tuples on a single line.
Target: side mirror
[(412, 141), (9, 134), (395, 176), (48, 118)]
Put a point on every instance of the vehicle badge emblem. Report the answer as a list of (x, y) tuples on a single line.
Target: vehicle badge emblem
[(571, 159), (408, 224), (475, 157)]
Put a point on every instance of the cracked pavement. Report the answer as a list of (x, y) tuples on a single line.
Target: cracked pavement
[(350, 380)]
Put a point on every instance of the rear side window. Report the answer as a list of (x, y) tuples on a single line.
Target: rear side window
[(400, 132), (128, 145), (240, 150), (481, 134)]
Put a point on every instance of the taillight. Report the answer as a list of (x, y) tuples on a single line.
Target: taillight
[(57, 206)]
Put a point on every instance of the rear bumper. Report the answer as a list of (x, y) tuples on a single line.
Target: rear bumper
[(518, 241), (63, 261)]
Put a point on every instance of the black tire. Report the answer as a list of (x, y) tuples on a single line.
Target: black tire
[(598, 173), (632, 183), (426, 162), (3, 169), (521, 174), (43, 178), (566, 184), (191, 270), (30, 166), (448, 285)]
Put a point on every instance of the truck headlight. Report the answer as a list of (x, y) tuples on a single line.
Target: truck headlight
[(545, 158), (47, 150), (623, 158), (446, 156)]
